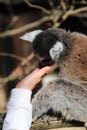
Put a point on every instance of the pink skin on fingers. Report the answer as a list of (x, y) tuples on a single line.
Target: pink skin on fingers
[(35, 70), (32, 79), (44, 71)]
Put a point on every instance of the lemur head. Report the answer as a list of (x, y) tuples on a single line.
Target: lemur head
[(51, 45)]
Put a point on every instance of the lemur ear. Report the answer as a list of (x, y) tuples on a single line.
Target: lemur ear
[(31, 35), (56, 50)]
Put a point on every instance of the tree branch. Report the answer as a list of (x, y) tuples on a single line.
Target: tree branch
[(79, 2), (68, 13), (55, 124), (82, 15), (76, 11), (13, 75), (12, 56), (73, 12), (37, 7), (51, 3), (25, 27), (63, 4)]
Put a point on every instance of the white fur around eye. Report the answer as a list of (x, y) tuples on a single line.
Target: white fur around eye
[(31, 35), (56, 50)]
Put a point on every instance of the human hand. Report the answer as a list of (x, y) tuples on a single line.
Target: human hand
[(32, 79)]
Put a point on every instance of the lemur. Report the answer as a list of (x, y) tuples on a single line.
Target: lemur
[(67, 93)]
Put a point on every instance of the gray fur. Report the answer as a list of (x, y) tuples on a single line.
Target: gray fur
[(69, 94), (56, 50), (61, 96)]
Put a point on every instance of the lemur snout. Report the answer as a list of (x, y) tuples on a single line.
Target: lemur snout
[(45, 62)]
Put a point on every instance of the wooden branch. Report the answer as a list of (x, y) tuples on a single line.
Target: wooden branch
[(51, 3), (63, 4), (38, 7), (79, 2), (12, 56), (70, 128), (13, 20), (73, 12), (13, 75), (56, 25), (81, 15), (25, 27), (27, 59), (54, 124), (76, 11)]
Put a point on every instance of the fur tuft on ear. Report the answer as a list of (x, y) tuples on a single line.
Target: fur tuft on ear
[(56, 50), (31, 35)]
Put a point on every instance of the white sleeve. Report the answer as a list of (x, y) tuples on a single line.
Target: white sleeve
[(19, 110)]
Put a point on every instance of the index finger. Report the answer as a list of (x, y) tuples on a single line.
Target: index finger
[(44, 71)]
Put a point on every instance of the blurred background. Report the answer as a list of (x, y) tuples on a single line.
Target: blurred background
[(20, 16)]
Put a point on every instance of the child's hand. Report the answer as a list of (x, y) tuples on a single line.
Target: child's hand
[(32, 79)]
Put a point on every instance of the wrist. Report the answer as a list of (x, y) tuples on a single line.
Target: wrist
[(24, 86)]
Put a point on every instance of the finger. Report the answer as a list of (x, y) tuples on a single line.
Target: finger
[(36, 70), (44, 71)]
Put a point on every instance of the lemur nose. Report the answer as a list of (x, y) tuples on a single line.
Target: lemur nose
[(45, 62)]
